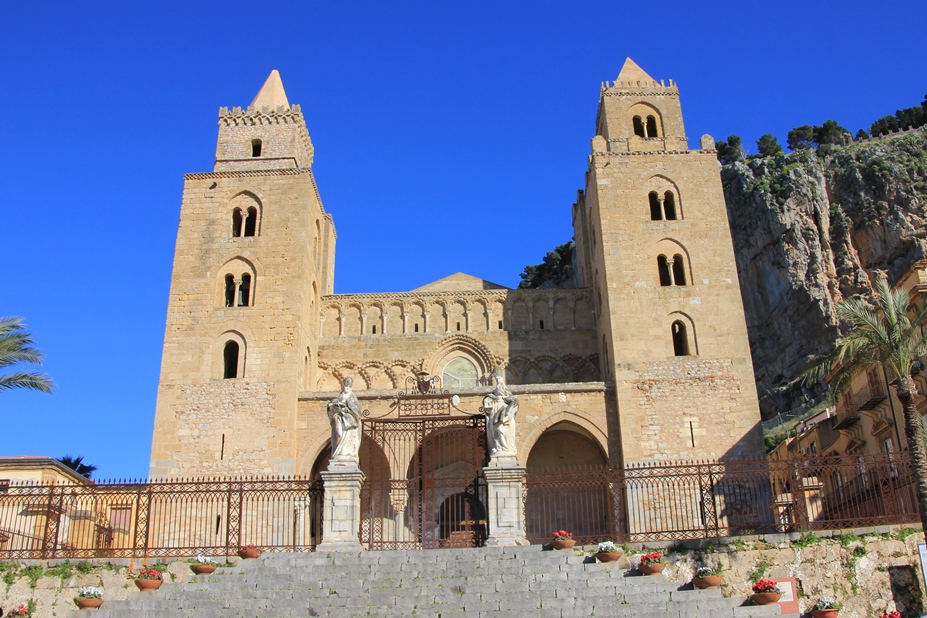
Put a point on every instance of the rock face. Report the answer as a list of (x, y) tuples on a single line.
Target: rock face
[(814, 227)]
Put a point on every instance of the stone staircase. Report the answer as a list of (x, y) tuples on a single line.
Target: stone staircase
[(477, 583)]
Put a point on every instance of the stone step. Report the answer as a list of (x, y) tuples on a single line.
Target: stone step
[(477, 583)]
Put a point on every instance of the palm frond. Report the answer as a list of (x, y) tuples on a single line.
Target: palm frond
[(26, 379)]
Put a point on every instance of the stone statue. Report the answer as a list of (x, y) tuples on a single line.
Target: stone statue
[(344, 413), (500, 407)]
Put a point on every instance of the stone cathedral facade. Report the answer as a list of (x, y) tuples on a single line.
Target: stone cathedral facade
[(645, 359)]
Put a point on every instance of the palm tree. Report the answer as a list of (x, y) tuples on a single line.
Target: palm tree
[(16, 346), (885, 337), (77, 464)]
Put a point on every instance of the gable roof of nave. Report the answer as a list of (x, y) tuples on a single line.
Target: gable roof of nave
[(459, 282)]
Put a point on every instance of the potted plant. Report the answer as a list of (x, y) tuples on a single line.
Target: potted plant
[(89, 597), (890, 615), (765, 592), (652, 564), (607, 552), (562, 540), (708, 577), (203, 565), (148, 579), (249, 552), (826, 607), (22, 610)]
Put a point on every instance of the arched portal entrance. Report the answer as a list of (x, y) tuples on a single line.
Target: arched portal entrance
[(423, 488), (569, 488)]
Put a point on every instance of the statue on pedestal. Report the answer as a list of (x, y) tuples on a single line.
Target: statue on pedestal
[(344, 413), (500, 407)]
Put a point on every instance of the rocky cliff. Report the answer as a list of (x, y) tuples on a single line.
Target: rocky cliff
[(811, 228)]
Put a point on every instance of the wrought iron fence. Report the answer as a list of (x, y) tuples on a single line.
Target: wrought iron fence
[(689, 500), (159, 519)]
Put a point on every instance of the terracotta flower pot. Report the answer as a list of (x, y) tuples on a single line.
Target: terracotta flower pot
[(825, 613), (711, 581), (203, 569), (608, 556), (148, 584), (565, 544), (766, 598), (249, 554), (652, 569), (88, 603)]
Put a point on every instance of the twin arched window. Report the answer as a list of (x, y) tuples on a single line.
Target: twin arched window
[(244, 222), (645, 127), (672, 270), (662, 206), (238, 291)]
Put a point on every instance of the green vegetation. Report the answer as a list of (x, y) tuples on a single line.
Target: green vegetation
[(555, 271), (825, 136), (904, 533), (806, 540), (759, 571), (77, 464), (16, 347), (888, 337), (847, 539)]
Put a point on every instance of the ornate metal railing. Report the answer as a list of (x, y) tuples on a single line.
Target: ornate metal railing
[(704, 499), (159, 519)]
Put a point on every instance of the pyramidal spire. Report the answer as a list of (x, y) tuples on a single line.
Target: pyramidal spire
[(630, 72), (271, 94)]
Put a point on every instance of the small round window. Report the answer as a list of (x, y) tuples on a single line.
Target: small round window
[(460, 373)]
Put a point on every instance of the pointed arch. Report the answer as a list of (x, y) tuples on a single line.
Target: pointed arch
[(646, 120), (663, 198), (245, 210), (681, 339), (457, 346), (671, 258)]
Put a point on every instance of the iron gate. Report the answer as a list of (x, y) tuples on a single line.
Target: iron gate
[(423, 488)]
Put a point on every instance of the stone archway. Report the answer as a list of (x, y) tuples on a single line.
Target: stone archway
[(568, 488)]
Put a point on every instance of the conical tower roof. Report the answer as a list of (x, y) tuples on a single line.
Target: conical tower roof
[(271, 94), (630, 72)]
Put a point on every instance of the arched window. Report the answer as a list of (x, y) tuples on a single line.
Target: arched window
[(244, 291), (229, 291), (230, 360), (664, 270), (680, 339), (236, 223), (460, 373), (651, 126), (256, 147), (669, 205), (656, 210), (638, 126), (251, 222), (679, 270)]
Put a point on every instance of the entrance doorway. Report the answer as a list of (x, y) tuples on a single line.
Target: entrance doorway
[(423, 488)]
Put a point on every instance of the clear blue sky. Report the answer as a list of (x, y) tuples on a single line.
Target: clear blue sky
[(449, 137)]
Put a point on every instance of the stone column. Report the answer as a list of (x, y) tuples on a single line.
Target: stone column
[(504, 485), (341, 514)]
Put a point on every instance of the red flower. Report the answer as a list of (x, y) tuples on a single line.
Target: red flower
[(766, 585), (249, 546), (653, 558), (891, 615), (563, 535)]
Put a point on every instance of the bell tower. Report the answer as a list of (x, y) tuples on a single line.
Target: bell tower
[(254, 254), (653, 236)]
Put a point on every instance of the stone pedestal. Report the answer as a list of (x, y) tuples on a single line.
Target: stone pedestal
[(505, 483), (341, 514)]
